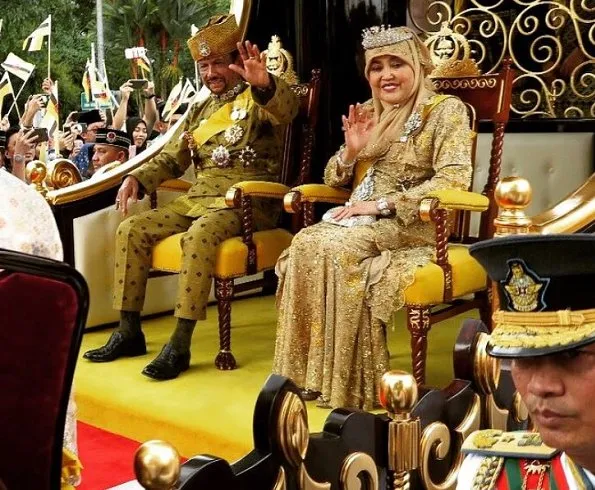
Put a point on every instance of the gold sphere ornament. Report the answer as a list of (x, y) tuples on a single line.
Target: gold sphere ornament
[(398, 392), (35, 173), (513, 193), (157, 465)]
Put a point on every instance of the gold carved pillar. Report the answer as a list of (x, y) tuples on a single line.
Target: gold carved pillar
[(398, 395)]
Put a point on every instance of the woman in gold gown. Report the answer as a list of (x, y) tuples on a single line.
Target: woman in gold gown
[(341, 279)]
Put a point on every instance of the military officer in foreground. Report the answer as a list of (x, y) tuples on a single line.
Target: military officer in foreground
[(546, 326), (233, 136)]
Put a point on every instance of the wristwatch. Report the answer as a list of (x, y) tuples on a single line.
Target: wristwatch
[(383, 206), (18, 158)]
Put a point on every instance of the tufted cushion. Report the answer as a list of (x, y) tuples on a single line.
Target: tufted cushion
[(467, 277), (231, 254)]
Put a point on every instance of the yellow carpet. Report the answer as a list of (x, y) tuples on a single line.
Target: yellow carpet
[(206, 410)]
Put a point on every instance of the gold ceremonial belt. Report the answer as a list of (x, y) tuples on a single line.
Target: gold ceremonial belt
[(545, 319)]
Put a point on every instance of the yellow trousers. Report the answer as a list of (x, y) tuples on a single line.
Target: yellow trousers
[(135, 239)]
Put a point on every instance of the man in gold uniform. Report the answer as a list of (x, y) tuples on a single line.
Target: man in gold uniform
[(546, 325), (233, 136)]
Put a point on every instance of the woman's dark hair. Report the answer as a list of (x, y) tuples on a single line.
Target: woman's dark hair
[(131, 124), (9, 133)]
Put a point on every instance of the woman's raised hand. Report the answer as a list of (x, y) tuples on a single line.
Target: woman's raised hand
[(358, 126)]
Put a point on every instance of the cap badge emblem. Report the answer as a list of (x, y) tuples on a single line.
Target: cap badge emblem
[(110, 137), (524, 289)]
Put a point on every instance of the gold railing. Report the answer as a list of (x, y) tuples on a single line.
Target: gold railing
[(551, 42)]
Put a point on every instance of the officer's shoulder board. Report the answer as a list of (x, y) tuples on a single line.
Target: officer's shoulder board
[(495, 446), (518, 444)]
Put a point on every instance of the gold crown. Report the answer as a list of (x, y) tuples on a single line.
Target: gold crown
[(379, 36), (219, 37), (451, 54), (280, 61)]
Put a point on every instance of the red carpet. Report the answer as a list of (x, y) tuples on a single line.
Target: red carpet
[(107, 458)]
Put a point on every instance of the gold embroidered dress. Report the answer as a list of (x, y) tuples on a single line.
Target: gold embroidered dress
[(341, 281)]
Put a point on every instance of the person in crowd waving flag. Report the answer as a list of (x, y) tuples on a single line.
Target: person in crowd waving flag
[(18, 67), (35, 40)]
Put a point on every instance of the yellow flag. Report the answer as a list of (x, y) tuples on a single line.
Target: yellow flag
[(35, 40)]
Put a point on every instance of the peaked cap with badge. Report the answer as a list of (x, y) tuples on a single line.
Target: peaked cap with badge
[(547, 305), (218, 37), (545, 285)]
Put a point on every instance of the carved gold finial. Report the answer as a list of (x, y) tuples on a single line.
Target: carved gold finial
[(157, 465), (513, 195), (35, 173), (280, 62), (398, 395), (451, 54)]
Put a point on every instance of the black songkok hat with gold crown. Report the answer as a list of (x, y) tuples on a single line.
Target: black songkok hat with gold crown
[(546, 291)]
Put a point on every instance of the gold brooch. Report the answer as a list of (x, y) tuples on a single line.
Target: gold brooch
[(204, 49)]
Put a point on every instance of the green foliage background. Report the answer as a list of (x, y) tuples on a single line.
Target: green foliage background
[(162, 26)]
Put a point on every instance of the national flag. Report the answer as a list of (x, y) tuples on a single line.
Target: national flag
[(51, 117), (5, 88), (144, 64), (173, 101), (86, 83), (35, 40), (18, 67), (108, 99), (188, 93)]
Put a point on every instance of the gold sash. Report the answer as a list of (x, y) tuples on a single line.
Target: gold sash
[(221, 119)]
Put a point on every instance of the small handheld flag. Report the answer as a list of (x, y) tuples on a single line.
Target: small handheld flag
[(173, 101), (18, 67), (5, 89), (35, 40), (51, 117)]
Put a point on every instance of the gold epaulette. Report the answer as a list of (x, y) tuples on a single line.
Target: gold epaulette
[(518, 444)]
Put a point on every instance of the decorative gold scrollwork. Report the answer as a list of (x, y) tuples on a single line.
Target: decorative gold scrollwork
[(358, 466), (551, 43), (486, 368), (300, 90), (292, 438), (280, 483), (62, 173), (292, 427), (436, 444), (472, 83)]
